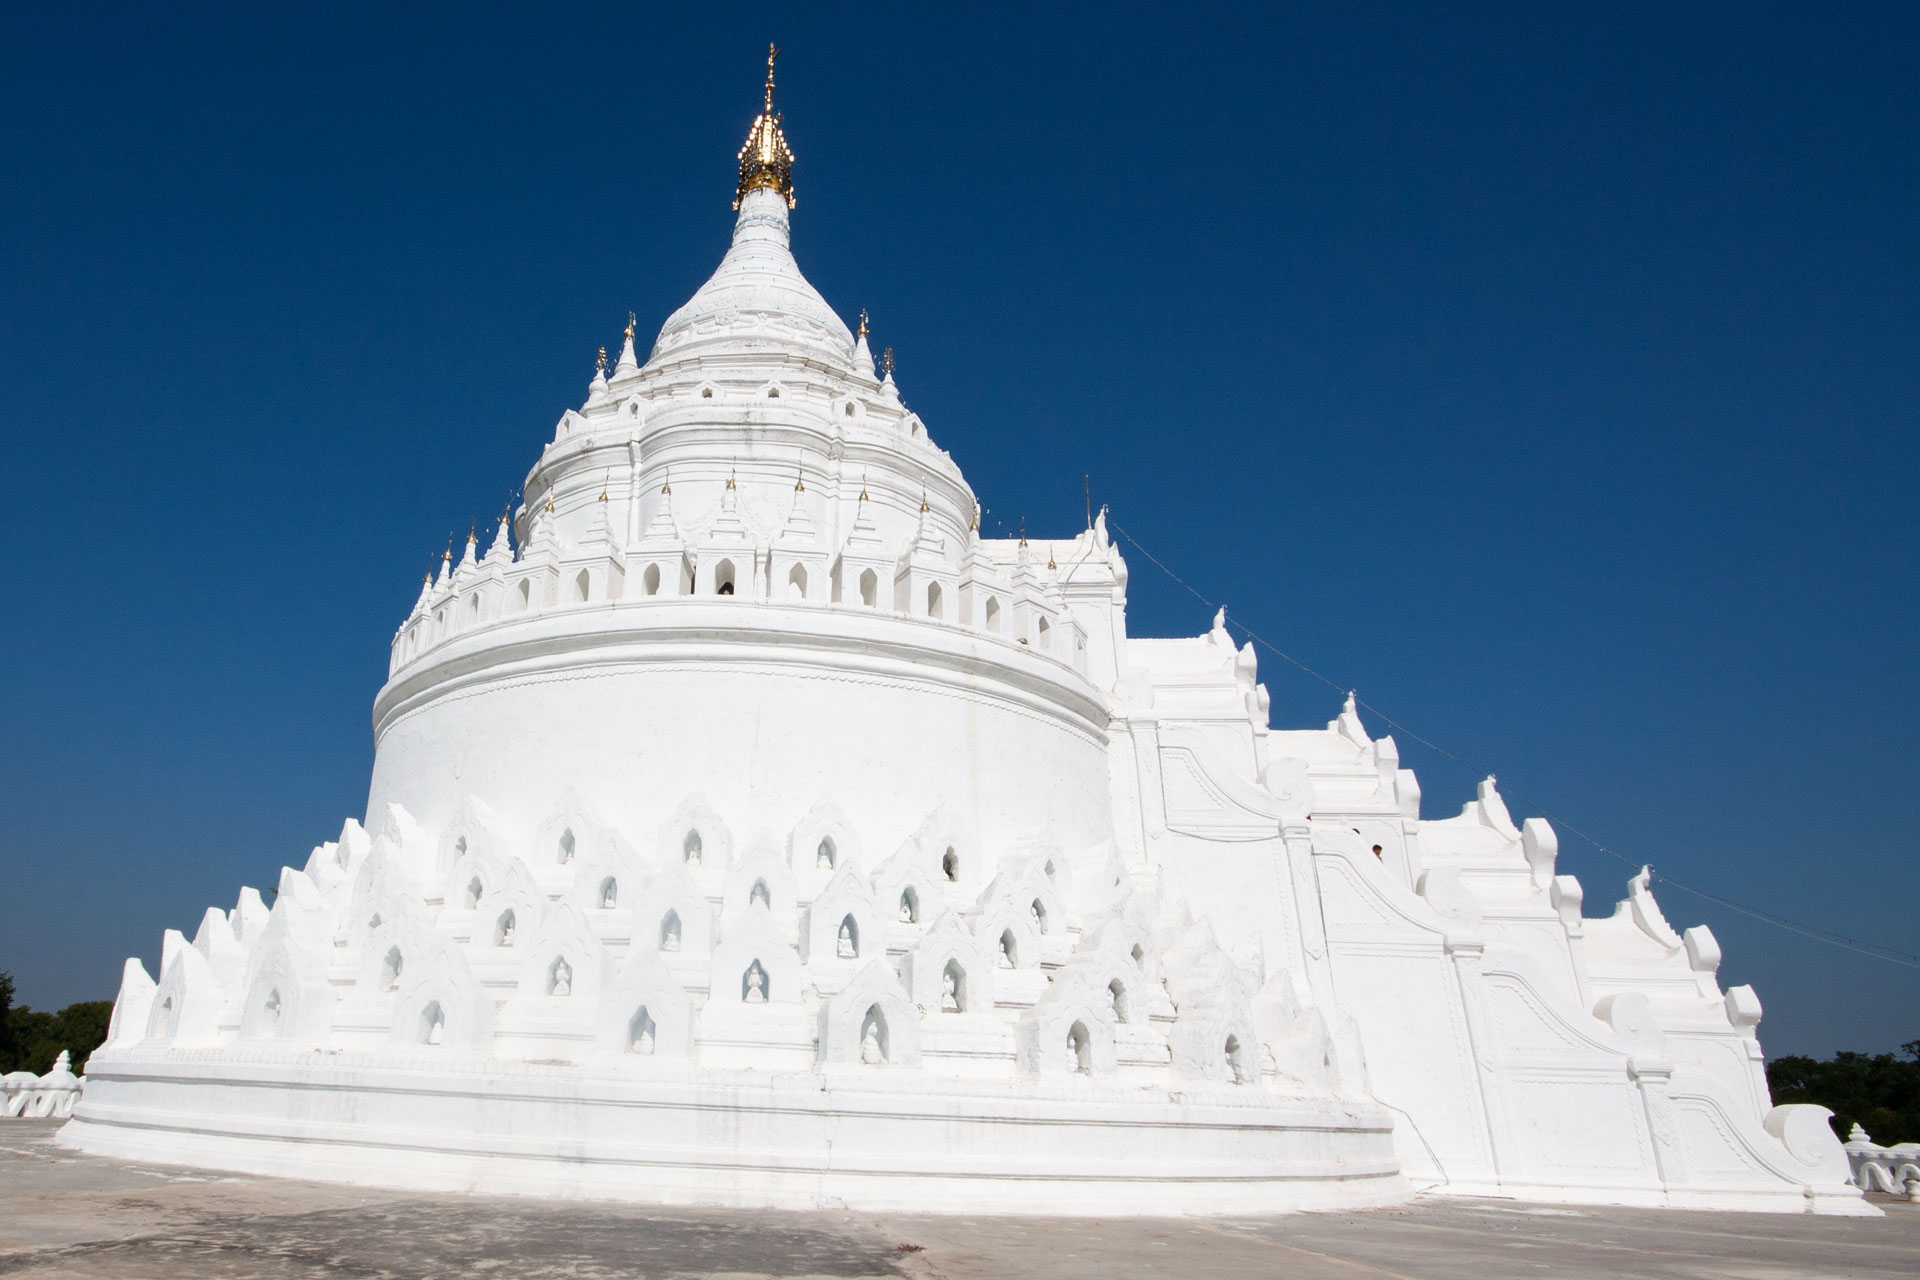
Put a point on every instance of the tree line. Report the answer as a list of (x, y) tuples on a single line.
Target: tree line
[(30, 1040), (1879, 1092)]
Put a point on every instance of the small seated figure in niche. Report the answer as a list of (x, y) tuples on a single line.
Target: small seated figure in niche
[(643, 1043), (506, 929), (906, 908), (870, 1051), (949, 993), (562, 978), (436, 1029), (1039, 917), (670, 934), (726, 589), (756, 992), (1006, 952), (823, 858), (843, 946)]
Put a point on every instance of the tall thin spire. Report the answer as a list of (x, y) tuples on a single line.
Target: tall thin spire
[(765, 159)]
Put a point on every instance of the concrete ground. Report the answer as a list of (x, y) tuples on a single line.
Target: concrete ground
[(69, 1215)]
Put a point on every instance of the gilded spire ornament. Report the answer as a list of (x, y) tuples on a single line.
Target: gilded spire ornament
[(766, 160), (1023, 531), (886, 362), (600, 362), (863, 322), (630, 324)]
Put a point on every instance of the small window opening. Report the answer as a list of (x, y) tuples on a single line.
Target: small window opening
[(950, 864), (691, 848), (759, 894), (1139, 953), (773, 393), (993, 615), (474, 891), (670, 932), (503, 929), (566, 845), (582, 586), (390, 969), (823, 857), (909, 907), (640, 1033), (1377, 852), (849, 409), (1237, 1061), (1039, 913), (526, 594), (723, 578), (609, 895), (936, 604), (650, 581), (1009, 951), (797, 583), (873, 1037), (869, 588), (1117, 992), (433, 1023), (953, 988), (706, 393), (1080, 1049), (272, 1011)]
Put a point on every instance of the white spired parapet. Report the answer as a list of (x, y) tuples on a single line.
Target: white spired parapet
[(747, 828), (31, 1097)]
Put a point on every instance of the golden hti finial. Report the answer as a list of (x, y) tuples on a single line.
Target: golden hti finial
[(630, 323), (799, 482), (729, 477), (549, 500), (886, 362), (600, 362), (863, 486), (1023, 531), (766, 160), (604, 480), (975, 526), (1050, 563), (923, 500), (447, 555), (473, 522), (863, 322)]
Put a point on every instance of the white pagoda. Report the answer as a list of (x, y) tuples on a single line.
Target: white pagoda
[(747, 828)]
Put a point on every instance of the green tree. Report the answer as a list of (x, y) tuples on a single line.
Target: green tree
[(6, 1022), (1878, 1092)]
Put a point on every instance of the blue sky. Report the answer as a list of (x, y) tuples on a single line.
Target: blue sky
[(1550, 374)]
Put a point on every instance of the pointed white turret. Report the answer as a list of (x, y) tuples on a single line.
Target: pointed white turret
[(501, 549), (628, 366), (862, 353)]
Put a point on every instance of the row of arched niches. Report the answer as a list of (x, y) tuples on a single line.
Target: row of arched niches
[(701, 951)]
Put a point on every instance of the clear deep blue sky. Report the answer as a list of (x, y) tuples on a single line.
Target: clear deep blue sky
[(1551, 375)]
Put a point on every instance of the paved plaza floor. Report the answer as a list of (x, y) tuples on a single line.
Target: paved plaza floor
[(68, 1215)]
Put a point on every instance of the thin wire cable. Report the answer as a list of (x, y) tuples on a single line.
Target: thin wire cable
[(1862, 946)]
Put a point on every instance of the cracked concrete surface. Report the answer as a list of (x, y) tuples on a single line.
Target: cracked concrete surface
[(68, 1215)]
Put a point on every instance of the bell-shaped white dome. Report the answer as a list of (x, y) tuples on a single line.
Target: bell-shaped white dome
[(757, 301)]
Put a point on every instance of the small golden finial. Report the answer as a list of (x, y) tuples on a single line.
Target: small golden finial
[(448, 553), (1023, 531), (772, 53), (863, 322), (603, 485), (667, 487), (473, 522), (975, 526), (630, 323), (600, 362), (549, 499), (1050, 563), (799, 482), (729, 477), (886, 362), (923, 499)]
